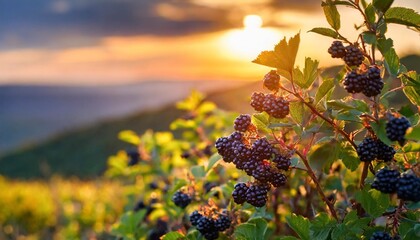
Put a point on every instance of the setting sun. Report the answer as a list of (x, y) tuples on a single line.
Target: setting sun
[(252, 22)]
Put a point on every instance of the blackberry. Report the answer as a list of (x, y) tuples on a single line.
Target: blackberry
[(257, 194), (225, 149), (337, 50), (222, 223), (242, 151), (211, 235), (181, 199), (272, 81), (408, 188), (277, 107), (385, 152), (354, 82), (250, 165), (239, 193), (282, 162), (367, 150), (386, 180), (242, 122), (374, 83), (257, 101), (381, 236), (262, 172), (396, 128), (205, 225), (134, 157), (354, 56), (278, 179), (194, 217), (262, 149)]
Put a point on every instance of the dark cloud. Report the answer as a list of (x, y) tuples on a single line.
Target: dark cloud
[(61, 23)]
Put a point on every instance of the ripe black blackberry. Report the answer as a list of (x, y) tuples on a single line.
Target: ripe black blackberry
[(239, 193), (396, 128), (367, 150), (282, 162), (236, 136), (278, 179), (134, 157), (354, 56), (205, 225), (242, 122), (181, 199), (374, 83), (262, 149), (272, 81), (194, 217), (385, 152), (380, 236), (257, 101), (211, 235), (257, 194), (262, 172), (222, 223), (354, 82), (408, 188), (275, 106), (225, 148), (250, 165), (242, 151), (386, 180), (337, 50)]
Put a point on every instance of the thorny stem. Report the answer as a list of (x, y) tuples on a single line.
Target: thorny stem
[(396, 217)]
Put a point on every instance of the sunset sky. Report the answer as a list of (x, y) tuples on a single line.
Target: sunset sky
[(93, 42)]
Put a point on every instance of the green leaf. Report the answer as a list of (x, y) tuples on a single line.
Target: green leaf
[(413, 133), (191, 102), (287, 238), (369, 37), (325, 87), (374, 202), (356, 224), (261, 228), (260, 120), (349, 157), (332, 15), (245, 231), (325, 32), (310, 73), (411, 81), (392, 62), (412, 146), (385, 44), (173, 236), (212, 161), (321, 227), (300, 225), (413, 94), (379, 129), (321, 156), (403, 16), (382, 5), (129, 136), (296, 111), (284, 55), (198, 171), (206, 107), (370, 13)]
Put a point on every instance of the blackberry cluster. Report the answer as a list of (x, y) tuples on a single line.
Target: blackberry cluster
[(276, 106), (381, 236), (337, 49), (256, 194), (354, 82), (257, 101), (226, 146), (181, 199), (272, 81), (396, 128), (374, 83), (353, 56), (370, 149), (209, 224), (386, 180), (242, 122), (408, 188)]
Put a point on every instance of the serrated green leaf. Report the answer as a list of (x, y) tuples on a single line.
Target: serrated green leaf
[(403, 16), (198, 171), (287, 238), (321, 227), (369, 37), (385, 44), (374, 202), (129, 136), (379, 129), (245, 231), (267, 58), (321, 156), (370, 13), (413, 94), (411, 146), (325, 32), (339, 105), (260, 120), (173, 236), (331, 14), (349, 157), (261, 227), (325, 87), (296, 111), (212, 161), (382, 5), (300, 225), (392, 62), (310, 73), (413, 133)]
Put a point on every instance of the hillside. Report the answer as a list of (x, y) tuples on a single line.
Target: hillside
[(84, 152)]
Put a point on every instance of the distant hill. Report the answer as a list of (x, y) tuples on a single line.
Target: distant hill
[(84, 152)]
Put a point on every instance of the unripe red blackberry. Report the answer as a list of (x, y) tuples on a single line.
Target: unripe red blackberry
[(181, 199), (272, 81), (337, 50), (277, 107), (282, 162), (239, 193), (381, 236), (242, 122), (222, 223), (257, 101), (367, 150), (385, 152), (408, 188), (262, 149), (257, 194), (262, 172), (354, 56), (194, 217), (386, 180), (278, 179), (396, 128), (354, 82), (374, 83)]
